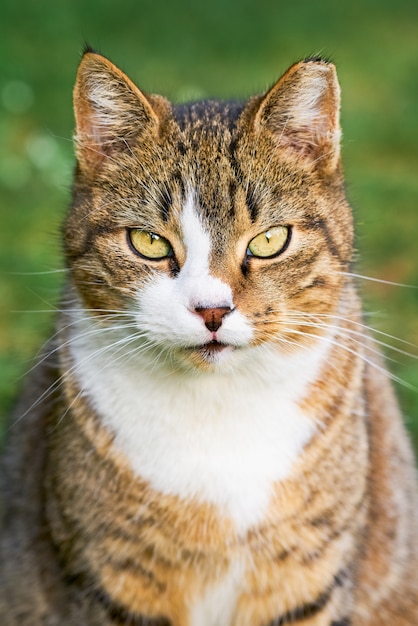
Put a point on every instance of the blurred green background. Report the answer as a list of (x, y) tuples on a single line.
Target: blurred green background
[(189, 49)]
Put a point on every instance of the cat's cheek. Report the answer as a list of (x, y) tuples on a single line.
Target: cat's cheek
[(162, 314)]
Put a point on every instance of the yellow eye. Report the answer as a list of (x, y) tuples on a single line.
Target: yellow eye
[(149, 245), (269, 243)]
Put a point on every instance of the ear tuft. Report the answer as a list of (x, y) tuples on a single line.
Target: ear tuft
[(88, 48), (109, 111), (316, 58), (301, 111)]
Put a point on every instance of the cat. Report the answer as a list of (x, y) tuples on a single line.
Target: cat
[(211, 438)]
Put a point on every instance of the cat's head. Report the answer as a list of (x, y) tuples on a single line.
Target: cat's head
[(216, 226)]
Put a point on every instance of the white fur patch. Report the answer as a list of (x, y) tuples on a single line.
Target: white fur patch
[(217, 605)]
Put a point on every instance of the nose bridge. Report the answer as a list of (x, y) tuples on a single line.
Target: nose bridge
[(202, 290), (201, 287)]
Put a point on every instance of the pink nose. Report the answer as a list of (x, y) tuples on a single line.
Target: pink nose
[(213, 317)]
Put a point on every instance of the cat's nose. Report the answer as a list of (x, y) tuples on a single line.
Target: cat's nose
[(213, 316)]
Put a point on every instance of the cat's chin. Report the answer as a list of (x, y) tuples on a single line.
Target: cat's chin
[(209, 356)]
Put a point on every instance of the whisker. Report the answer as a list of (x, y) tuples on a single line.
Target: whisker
[(83, 388), (366, 327), (346, 332), (56, 271), (378, 280), (55, 385), (61, 345), (341, 345)]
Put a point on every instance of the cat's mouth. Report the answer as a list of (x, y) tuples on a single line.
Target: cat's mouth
[(214, 346), (210, 350)]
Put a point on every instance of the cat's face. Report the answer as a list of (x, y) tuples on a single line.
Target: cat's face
[(216, 227)]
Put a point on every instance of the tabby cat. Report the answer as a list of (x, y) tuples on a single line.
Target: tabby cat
[(211, 438)]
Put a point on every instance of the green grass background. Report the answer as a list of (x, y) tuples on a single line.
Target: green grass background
[(184, 49)]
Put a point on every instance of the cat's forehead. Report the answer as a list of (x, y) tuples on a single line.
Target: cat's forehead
[(207, 114), (200, 157), (204, 137), (233, 174)]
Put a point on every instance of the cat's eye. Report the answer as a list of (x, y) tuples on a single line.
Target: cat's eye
[(269, 243), (149, 245)]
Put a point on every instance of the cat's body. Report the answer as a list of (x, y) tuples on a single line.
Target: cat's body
[(212, 440)]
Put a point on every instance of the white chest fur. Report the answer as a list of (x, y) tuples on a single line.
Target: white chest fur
[(223, 438), (217, 605)]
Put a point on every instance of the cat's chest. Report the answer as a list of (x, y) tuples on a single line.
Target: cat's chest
[(217, 604), (220, 439)]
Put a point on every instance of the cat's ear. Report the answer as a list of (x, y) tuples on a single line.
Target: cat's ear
[(302, 112), (109, 112)]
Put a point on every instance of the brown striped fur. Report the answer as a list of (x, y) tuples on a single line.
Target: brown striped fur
[(88, 542)]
